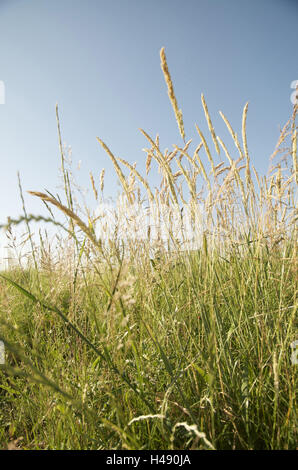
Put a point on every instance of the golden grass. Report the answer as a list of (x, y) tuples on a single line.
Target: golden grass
[(101, 179), (160, 325), (210, 125), (93, 186), (117, 168), (178, 112), (234, 197)]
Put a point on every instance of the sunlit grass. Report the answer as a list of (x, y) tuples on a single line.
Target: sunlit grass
[(116, 341)]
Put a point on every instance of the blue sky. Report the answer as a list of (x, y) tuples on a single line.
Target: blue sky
[(99, 60)]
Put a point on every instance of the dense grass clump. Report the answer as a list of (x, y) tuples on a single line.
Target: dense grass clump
[(180, 339)]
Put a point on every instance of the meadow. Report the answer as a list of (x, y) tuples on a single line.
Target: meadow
[(179, 338)]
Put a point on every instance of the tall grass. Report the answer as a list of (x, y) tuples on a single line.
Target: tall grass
[(179, 338)]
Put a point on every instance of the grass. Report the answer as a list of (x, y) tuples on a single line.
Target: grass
[(111, 347)]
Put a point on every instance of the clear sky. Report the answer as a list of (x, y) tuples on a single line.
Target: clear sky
[(99, 60)]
